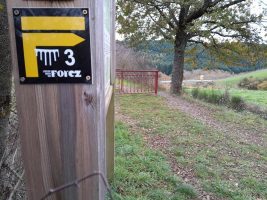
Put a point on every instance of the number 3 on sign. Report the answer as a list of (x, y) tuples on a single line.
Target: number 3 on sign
[(71, 58)]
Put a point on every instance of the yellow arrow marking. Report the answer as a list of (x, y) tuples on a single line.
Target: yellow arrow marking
[(32, 40)]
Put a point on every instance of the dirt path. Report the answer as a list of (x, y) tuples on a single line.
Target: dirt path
[(251, 135)]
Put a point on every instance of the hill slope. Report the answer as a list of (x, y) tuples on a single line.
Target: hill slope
[(233, 81)]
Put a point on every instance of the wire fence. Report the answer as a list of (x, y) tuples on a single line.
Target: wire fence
[(77, 182)]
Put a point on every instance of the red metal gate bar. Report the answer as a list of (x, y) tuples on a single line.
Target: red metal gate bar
[(136, 81)]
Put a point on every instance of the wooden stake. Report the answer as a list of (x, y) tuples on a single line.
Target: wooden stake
[(63, 126)]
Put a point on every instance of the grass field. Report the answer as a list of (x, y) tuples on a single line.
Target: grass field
[(255, 97), (233, 81), (226, 167), (251, 96)]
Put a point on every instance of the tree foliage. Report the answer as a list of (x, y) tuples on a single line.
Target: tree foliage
[(185, 21), (203, 20), (241, 54)]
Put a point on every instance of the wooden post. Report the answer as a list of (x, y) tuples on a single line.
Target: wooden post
[(110, 138), (63, 126)]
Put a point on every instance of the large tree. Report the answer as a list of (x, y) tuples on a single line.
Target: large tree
[(186, 21)]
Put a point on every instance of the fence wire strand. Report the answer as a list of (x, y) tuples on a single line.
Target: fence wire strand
[(77, 182)]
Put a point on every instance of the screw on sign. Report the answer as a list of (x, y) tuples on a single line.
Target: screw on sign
[(85, 12), (16, 12)]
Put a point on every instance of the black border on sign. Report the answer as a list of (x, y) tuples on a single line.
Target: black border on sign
[(87, 69)]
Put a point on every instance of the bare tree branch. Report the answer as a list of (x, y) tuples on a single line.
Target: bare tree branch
[(77, 182), (160, 28), (183, 14), (231, 4), (199, 12), (172, 14), (227, 35), (165, 17)]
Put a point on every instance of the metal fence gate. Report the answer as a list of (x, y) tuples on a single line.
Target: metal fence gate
[(136, 81)]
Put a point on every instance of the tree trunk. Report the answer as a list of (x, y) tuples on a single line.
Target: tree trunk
[(5, 75), (178, 62)]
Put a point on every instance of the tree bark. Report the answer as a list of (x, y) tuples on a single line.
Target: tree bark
[(5, 75), (178, 62)]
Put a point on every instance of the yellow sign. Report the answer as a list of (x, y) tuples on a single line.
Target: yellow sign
[(51, 45)]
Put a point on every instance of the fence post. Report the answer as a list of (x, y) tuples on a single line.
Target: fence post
[(110, 139), (62, 111), (156, 82), (122, 79)]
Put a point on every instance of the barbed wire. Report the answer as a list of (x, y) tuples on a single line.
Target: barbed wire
[(76, 184)]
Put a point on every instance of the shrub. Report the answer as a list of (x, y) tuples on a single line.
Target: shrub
[(253, 84), (243, 82), (211, 97), (203, 95), (257, 110), (262, 86), (237, 103), (195, 92), (214, 97), (225, 98), (249, 83)]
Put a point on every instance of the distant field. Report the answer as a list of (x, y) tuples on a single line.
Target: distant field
[(233, 81), (252, 96), (195, 75), (206, 74), (256, 97)]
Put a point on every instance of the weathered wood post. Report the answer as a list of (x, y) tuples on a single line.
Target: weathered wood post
[(63, 67)]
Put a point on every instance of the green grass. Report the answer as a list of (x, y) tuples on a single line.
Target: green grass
[(251, 96), (142, 173), (233, 81), (134, 85), (255, 97), (227, 166)]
